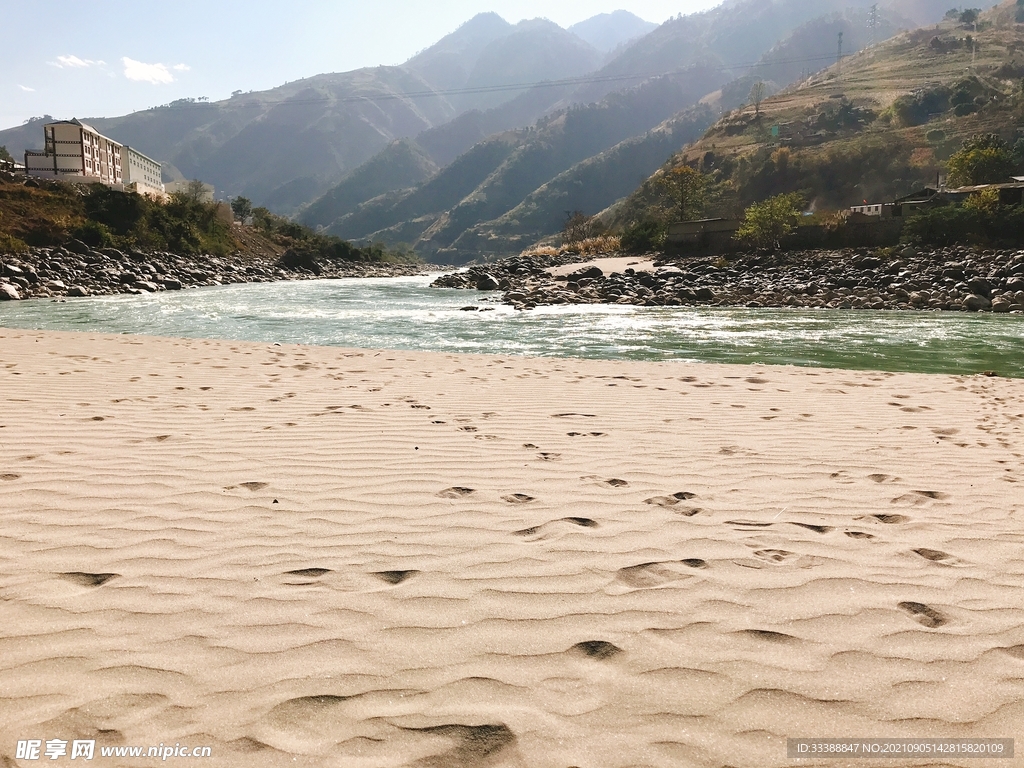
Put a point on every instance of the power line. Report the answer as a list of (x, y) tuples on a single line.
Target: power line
[(485, 89)]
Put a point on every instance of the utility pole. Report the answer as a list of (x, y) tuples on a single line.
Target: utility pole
[(974, 44), (839, 57), (873, 23)]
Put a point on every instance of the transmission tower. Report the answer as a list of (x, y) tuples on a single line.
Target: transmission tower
[(873, 23)]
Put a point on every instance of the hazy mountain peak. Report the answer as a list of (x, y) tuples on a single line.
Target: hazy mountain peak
[(607, 31)]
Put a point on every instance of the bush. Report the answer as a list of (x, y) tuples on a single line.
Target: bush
[(766, 223), (11, 244), (983, 159), (643, 237), (94, 234), (979, 223)]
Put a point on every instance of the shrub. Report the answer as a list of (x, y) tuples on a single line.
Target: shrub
[(643, 237), (983, 159), (94, 234), (975, 223), (11, 244), (766, 223)]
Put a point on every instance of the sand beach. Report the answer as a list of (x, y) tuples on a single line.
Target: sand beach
[(311, 556)]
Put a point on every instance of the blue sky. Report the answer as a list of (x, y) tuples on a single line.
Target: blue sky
[(110, 57)]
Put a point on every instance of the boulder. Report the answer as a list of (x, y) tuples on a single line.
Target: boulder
[(487, 283), (146, 285), (8, 292), (1001, 305), (172, 285), (77, 246), (591, 272), (296, 260), (979, 286), (78, 291), (974, 303), (12, 271)]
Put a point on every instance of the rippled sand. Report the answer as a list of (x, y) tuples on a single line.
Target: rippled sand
[(319, 557)]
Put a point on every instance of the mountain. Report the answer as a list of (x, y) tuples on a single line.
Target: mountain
[(878, 127), (402, 164), (607, 31), (446, 64), (287, 145), (588, 186), (733, 35)]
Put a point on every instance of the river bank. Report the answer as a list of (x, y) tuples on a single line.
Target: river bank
[(950, 279), (75, 270)]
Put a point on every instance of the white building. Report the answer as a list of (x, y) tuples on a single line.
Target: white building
[(76, 152), (141, 174)]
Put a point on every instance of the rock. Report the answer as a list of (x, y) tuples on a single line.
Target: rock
[(975, 303), (12, 271), (77, 246), (78, 291), (146, 285), (172, 285), (908, 253), (487, 282), (979, 286), (9, 293), (591, 272), (1015, 284), (55, 285), (704, 294), (1001, 305), (296, 260)]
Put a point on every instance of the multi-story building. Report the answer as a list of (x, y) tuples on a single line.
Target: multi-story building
[(75, 151), (140, 173)]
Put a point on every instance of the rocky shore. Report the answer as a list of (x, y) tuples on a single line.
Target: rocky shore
[(76, 270), (949, 279)]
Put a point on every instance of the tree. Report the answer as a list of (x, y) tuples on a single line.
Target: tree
[(969, 16), (766, 223), (578, 227), (688, 190), (195, 191), (242, 208), (5, 155), (757, 94), (983, 159)]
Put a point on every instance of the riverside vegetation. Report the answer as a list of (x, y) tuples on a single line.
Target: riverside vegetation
[(59, 239)]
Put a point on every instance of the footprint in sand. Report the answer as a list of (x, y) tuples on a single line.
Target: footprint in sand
[(467, 429), (9, 476), (767, 635), (938, 557), (648, 575), (774, 556), (88, 579), (616, 483), (395, 577), (878, 477), (518, 498), (596, 649), (917, 498), (548, 456), (310, 574), (254, 486), (688, 511), (815, 528), (670, 501), (924, 615), (455, 492), (891, 519), (553, 528), (858, 535)]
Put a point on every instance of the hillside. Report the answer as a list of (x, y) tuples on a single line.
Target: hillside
[(880, 125), (607, 31)]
